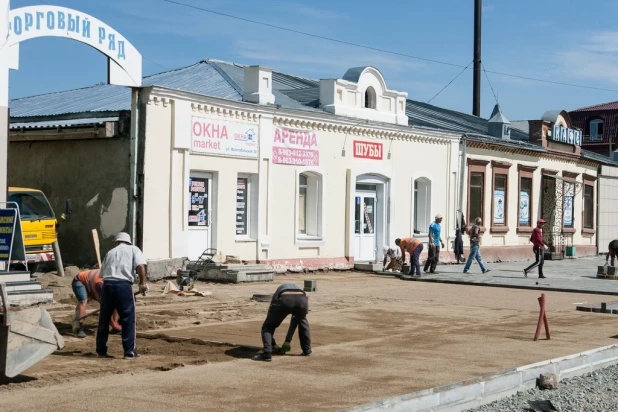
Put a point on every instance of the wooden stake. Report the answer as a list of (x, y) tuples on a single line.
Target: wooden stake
[(97, 248), (542, 320)]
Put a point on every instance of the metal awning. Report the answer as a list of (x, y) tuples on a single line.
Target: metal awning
[(63, 123)]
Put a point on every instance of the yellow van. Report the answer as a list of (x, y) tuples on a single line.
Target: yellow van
[(38, 223)]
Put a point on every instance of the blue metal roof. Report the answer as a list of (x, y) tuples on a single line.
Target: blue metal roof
[(225, 80), (63, 123)]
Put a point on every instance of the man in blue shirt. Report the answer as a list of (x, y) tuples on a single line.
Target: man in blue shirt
[(435, 241)]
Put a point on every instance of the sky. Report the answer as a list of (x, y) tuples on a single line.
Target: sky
[(557, 40)]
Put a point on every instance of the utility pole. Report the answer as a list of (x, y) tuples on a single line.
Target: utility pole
[(476, 93)]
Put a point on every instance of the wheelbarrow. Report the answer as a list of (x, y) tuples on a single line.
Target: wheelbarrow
[(26, 337)]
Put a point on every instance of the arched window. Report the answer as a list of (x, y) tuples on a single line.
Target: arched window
[(596, 129), (422, 205), (370, 98)]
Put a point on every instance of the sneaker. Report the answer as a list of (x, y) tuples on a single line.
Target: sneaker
[(525, 273), (542, 277), (106, 356), (131, 355), (465, 271), (488, 270), (81, 334), (306, 354), (418, 275), (425, 270), (262, 358)]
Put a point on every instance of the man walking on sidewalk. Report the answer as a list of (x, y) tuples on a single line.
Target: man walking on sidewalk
[(538, 246), (475, 252), (435, 241)]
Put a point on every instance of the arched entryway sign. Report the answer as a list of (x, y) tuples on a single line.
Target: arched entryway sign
[(17, 25)]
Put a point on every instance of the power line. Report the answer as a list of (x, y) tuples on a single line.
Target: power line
[(490, 86), (449, 83), (178, 3)]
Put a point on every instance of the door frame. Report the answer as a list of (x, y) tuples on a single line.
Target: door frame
[(211, 205), (374, 195)]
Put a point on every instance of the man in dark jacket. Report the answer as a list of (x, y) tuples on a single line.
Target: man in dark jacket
[(288, 299)]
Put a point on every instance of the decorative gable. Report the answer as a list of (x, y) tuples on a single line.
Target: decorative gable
[(362, 93)]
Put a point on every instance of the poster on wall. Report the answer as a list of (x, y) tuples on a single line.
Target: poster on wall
[(524, 208), (498, 207), (241, 206), (295, 147), (220, 137), (568, 205), (198, 207)]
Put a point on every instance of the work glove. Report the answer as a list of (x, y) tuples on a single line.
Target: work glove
[(286, 347), (143, 288)]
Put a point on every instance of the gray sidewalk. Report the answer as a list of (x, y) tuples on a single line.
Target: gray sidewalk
[(569, 275)]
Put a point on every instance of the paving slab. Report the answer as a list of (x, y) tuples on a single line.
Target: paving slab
[(568, 275)]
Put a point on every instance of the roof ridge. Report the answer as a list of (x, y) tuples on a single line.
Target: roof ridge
[(59, 92), (594, 105), (226, 77)]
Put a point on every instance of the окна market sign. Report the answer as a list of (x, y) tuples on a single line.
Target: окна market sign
[(220, 137)]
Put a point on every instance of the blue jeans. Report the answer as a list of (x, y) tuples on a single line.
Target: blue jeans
[(475, 253), (414, 260), (118, 296)]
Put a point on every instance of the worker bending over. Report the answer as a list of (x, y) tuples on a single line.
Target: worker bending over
[(289, 299), (394, 256), (414, 247), (613, 251), (87, 286)]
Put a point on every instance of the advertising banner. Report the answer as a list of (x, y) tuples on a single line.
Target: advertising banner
[(524, 208), (8, 218), (198, 209), (295, 147), (498, 207), (219, 137)]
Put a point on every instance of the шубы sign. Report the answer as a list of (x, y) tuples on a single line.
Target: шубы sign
[(367, 150)]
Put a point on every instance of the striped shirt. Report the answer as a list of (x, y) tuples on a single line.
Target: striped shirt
[(93, 282)]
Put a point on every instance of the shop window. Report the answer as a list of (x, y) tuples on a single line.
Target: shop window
[(246, 207), (567, 215), (476, 189), (422, 205), (596, 129), (525, 201), (309, 205), (370, 98), (476, 195), (499, 200), (588, 207)]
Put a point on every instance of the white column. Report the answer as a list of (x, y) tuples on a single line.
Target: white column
[(4, 99)]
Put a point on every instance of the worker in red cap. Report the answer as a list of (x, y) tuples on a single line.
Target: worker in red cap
[(539, 247)]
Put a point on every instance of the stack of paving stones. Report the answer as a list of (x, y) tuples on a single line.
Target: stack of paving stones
[(596, 391), (607, 272), (603, 307)]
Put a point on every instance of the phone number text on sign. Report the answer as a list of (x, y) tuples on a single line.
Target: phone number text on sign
[(298, 157)]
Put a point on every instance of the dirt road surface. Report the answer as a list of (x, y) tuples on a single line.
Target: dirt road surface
[(373, 337)]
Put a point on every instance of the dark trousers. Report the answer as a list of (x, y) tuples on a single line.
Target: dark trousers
[(414, 260), (432, 260), (539, 254), (117, 296), (296, 305)]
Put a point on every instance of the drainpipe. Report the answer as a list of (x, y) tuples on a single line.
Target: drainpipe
[(134, 147), (462, 171)]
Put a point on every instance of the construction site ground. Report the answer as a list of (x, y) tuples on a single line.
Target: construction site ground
[(373, 337)]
